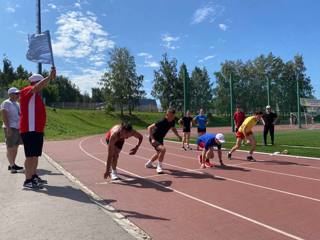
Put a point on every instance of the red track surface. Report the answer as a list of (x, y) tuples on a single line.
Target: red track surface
[(277, 197)]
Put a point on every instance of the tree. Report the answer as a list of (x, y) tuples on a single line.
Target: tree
[(184, 77), (97, 95), (250, 83), (7, 75), (201, 89), (121, 81), (166, 85)]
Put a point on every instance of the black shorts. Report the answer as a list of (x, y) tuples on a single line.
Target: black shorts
[(118, 144), (186, 130), (157, 144), (33, 143), (202, 130)]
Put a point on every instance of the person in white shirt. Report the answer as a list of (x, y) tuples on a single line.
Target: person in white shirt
[(11, 116)]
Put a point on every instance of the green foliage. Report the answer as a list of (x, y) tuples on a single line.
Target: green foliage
[(201, 89), (167, 87), (250, 83), (121, 84)]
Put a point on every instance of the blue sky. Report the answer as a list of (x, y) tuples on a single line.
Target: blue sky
[(196, 32)]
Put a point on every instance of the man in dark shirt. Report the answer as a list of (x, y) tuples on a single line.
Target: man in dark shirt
[(186, 123), (269, 119), (157, 132)]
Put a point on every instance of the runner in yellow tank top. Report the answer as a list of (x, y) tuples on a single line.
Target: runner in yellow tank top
[(245, 131)]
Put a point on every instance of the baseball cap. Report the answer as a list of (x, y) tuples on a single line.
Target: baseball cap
[(13, 90), (268, 106), (220, 138), (36, 77)]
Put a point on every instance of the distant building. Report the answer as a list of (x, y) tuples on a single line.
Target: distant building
[(147, 105)]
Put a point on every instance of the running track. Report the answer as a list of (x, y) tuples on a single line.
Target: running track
[(277, 197)]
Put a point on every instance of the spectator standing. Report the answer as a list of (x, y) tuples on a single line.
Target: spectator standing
[(11, 116), (269, 119), (238, 117), (186, 123)]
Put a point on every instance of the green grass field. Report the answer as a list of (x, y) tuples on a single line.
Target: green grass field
[(297, 142)]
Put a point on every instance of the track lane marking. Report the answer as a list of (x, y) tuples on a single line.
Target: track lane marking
[(199, 200)]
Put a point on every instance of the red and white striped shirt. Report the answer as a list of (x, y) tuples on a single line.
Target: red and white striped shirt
[(33, 111)]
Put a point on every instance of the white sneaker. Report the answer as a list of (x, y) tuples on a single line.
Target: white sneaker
[(149, 164), (159, 169), (114, 175)]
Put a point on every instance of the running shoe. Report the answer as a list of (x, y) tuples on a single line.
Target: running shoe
[(39, 180), (203, 165), (208, 163), (114, 175), (184, 148), (32, 185), (189, 148), (159, 169), (251, 159), (15, 167), (229, 156), (149, 164), (222, 164)]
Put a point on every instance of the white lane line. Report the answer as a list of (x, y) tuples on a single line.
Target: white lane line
[(251, 184), (202, 201), (284, 174), (303, 147), (186, 169), (247, 163), (264, 153)]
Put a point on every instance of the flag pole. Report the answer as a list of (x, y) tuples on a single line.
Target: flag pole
[(38, 27), (49, 37)]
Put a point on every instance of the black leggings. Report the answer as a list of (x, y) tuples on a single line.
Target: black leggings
[(266, 129)]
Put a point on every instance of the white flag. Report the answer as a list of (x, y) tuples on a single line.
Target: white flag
[(40, 49)]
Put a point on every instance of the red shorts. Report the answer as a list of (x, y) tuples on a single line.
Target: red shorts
[(241, 135)]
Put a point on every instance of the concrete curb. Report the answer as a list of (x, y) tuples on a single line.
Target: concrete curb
[(120, 219)]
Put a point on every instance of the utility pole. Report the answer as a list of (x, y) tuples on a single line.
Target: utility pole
[(186, 96), (38, 27), (298, 102), (268, 89), (231, 102)]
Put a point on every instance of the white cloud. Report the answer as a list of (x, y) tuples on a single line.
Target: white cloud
[(206, 58), (52, 6), (148, 60), (87, 79), (79, 35), (223, 27), (144, 54), (15, 25), (168, 41), (209, 12), (77, 5), (10, 9)]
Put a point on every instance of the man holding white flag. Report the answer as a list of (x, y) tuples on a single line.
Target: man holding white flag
[(32, 124)]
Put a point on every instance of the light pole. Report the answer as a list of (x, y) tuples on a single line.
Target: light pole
[(231, 102), (38, 27), (298, 101)]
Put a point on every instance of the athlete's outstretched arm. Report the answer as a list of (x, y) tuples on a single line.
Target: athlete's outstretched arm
[(140, 137)]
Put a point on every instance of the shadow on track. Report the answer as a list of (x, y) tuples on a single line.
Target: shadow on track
[(144, 183), (133, 214)]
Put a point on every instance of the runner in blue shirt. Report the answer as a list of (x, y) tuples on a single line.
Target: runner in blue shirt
[(202, 122), (207, 141)]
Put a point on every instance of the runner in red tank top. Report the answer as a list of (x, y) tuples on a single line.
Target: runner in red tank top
[(115, 138)]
